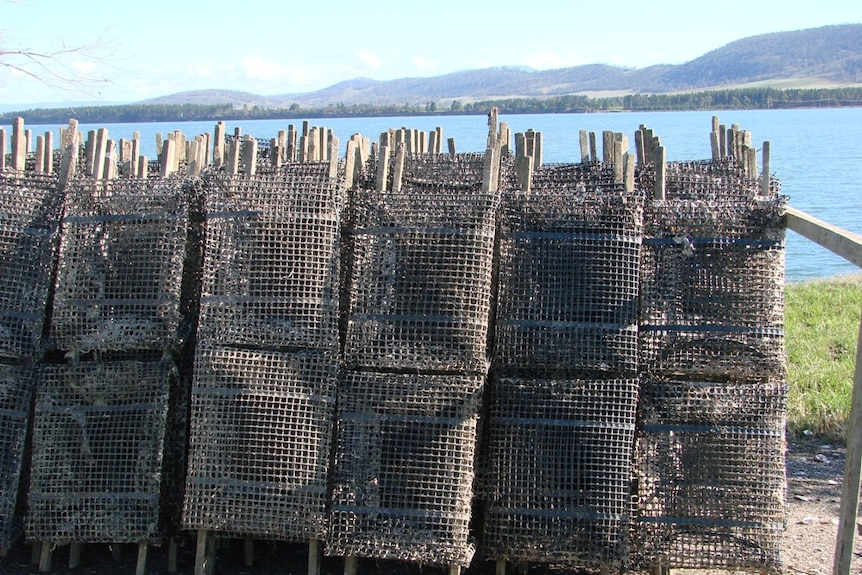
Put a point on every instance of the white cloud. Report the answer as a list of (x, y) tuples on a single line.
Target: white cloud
[(369, 60), (259, 68), (548, 59), (424, 64)]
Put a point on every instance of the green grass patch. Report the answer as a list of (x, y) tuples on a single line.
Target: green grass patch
[(822, 327)]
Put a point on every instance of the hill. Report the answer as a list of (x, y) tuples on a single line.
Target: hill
[(830, 56)]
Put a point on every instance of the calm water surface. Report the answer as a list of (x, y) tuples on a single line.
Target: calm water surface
[(817, 154)]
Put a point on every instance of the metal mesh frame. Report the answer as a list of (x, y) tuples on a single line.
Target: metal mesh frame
[(260, 439), (712, 289), (569, 262), (711, 474), (420, 287), (404, 467), (271, 262), (557, 461), (97, 452), (29, 225), (119, 282), (16, 390)]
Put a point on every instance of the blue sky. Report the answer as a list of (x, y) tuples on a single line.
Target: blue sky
[(138, 50)]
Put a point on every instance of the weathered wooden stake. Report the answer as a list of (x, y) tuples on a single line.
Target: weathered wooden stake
[(439, 131), (205, 553), (490, 174), (451, 145), (639, 145), (351, 562), (19, 145), (660, 173), (764, 175), (75, 555), (382, 169), (500, 567), (432, 141), (69, 159), (594, 152), (45, 557), (218, 144), (167, 159), (492, 126), (173, 552), (454, 569), (100, 150), (2, 149), (629, 172), (143, 167), (248, 550), (40, 155), (48, 166), (116, 551), (538, 150), (332, 154), (584, 141), (751, 163), (398, 168), (141, 565), (607, 147), (618, 160), (35, 552), (249, 155), (524, 172), (314, 557), (111, 160)]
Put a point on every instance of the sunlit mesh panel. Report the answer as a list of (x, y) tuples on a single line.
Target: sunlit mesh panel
[(16, 391), (97, 451), (261, 428), (404, 467), (29, 223), (121, 261), (568, 282), (711, 474), (270, 275)]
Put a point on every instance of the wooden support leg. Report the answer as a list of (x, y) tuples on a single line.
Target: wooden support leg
[(45, 558), (501, 567), (313, 557), (172, 556), (116, 551), (35, 552), (75, 555), (454, 570), (141, 566), (205, 553), (351, 565), (523, 568), (248, 550)]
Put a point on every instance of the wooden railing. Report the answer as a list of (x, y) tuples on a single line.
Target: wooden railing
[(849, 246)]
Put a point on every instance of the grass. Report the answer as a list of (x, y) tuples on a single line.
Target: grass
[(822, 326)]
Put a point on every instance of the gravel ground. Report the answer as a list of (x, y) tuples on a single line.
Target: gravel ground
[(814, 475)]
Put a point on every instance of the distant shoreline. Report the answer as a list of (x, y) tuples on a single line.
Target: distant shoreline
[(730, 99)]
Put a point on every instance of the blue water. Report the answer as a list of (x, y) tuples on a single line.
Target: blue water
[(817, 154)]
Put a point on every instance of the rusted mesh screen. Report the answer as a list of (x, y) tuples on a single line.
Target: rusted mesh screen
[(710, 474), (16, 390), (29, 226), (569, 262), (420, 288), (261, 426), (404, 467), (97, 451), (270, 275), (119, 282), (559, 455)]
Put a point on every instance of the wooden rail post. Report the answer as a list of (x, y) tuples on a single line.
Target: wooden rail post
[(382, 169), (660, 173), (398, 168), (218, 144), (19, 145), (100, 150), (594, 151), (764, 176), (49, 152), (40, 155), (584, 142)]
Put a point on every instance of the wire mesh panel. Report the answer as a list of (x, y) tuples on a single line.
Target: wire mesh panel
[(261, 429), (711, 474), (420, 288), (97, 451), (568, 281), (271, 260), (558, 464), (712, 289), (404, 467), (29, 224), (119, 282), (16, 390)]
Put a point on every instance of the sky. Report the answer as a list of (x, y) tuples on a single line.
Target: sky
[(112, 52)]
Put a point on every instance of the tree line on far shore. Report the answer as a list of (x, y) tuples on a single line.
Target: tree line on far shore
[(730, 99)]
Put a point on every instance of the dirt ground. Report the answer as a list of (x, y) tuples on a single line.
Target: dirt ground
[(814, 475)]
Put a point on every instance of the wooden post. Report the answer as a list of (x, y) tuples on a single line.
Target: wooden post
[(714, 145), (19, 145), (594, 152), (35, 552), (490, 174), (249, 155), (193, 168), (28, 140), (143, 167), (639, 146), (398, 168), (618, 160), (432, 141), (205, 553), (607, 147), (314, 557), (291, 143), (111, 160), (173, 551), (852, 478), (351, 563), (141, 565), (492, 126), (248, 550), (524, 172), (45, 558), (75, 555), (218, 144), (538, 150), (451, 144), (584, 141), (751, 163), (40, 155), (100, 150), (764, 175), (333, 157), (500, 567), (382, 169), (350, 162), (48, 166), (166, 160), (454, 569), (439, 131), (629, 172), (660, 174), (69, 159), (116, 551)]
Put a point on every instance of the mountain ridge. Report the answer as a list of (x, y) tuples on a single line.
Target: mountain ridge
[(829, 56)]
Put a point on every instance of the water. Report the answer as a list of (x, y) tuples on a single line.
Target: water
[(817, 154)]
